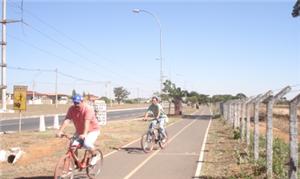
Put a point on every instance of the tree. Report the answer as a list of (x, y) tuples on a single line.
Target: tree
[(106, 99), (121, 94), (240, 96), (176, 94), (74, 92), (192, 100)]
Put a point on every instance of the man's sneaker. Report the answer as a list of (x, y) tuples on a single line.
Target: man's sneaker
[(95, 159), (164, 140)]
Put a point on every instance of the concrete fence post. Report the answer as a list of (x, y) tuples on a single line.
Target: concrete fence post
[(239, 114), (293, 163), (42, 123), (235, 123), (56, 122), (270, 101), (229, 112), (256, 123), (249, 106), (243, 122)]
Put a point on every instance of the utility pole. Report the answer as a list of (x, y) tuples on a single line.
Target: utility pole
[(56, 86), (3, 86)]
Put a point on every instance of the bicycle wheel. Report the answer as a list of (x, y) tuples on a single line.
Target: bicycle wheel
[(163, 143), (147, 142), (64, 168), (93, 170)]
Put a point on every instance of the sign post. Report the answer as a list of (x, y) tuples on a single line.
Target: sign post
[(20, 95)]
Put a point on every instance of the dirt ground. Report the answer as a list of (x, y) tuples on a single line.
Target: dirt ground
[(220, 159), (62, 108), (43, 150)]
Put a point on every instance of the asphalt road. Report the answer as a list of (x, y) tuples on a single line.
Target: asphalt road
[(178, 161), (33, 123)]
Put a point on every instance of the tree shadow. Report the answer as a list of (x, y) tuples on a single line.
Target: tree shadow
[(199, 117), (209, 177), (133, 150), (37, 177)]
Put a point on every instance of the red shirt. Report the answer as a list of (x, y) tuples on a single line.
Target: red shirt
[(78, 114)]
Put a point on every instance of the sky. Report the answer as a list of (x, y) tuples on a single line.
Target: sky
[(212, 47)]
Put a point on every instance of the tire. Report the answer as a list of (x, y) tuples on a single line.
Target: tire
[(147, 145), (93, 171), (64, 168), (163, 145)]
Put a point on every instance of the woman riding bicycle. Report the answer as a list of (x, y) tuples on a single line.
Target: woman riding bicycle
[(159, 116), (86, 125)]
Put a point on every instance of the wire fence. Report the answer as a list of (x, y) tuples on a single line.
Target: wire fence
[(239, 113)]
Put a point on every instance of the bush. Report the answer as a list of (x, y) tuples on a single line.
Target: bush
[(280, 158), (236, 134)]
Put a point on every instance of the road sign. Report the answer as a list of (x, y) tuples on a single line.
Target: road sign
[(20, 94), (100, 110)]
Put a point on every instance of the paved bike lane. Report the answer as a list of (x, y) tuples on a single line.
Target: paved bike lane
[(178, 160)]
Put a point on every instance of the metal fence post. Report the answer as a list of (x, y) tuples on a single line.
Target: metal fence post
[(256, 123), (269, 133), (293, 169)]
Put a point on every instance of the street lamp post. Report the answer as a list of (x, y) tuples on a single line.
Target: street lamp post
[(160, 43)]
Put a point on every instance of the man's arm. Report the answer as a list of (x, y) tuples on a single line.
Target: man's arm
[(146, 116), (62, 127), (86, 128)]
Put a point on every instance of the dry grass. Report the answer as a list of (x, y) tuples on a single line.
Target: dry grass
[(42, 149), (46, 109), (220, 160)]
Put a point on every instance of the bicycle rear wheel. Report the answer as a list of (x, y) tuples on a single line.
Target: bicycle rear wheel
[(64, 168), (147, 142), (94, 170)]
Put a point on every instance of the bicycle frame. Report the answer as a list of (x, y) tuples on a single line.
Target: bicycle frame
[(72, 153)]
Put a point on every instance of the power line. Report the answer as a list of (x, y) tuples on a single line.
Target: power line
[(29, 69), (67, 48)]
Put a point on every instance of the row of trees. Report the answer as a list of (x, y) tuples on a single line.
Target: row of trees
[(176, 95)]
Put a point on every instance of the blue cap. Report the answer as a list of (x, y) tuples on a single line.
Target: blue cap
[(77, 98)]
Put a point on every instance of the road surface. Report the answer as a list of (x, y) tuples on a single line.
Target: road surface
[(178, 161), (33, 123)]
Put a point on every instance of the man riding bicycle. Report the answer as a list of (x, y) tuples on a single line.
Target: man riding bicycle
[(159, 116), (86, 125)]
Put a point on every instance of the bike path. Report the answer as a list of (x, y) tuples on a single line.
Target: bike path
[(178, 160)]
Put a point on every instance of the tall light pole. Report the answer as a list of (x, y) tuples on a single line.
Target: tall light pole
[(160, 43)]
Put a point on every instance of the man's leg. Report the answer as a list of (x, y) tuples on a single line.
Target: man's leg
[(89, 141), (162, 127)]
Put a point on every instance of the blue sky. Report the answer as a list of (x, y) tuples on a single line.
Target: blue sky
[(213, 47)]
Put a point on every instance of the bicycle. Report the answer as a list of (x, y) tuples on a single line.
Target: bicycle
[(154, 137), (68, 163)]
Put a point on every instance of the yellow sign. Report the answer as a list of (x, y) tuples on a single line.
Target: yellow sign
[(20, 94)]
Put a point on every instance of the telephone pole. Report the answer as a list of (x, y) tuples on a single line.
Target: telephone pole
[(56, 86), (3, 86)]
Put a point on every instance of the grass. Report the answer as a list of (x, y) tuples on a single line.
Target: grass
[(228, 157)]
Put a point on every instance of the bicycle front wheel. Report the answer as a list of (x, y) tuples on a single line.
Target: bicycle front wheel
[(163, 142), (94, 168), (147, 142), (64, 168)]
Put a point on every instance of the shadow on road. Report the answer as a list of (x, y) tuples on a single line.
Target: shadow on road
[(38, 177), (199, 117), (210, 177), (133, 150)]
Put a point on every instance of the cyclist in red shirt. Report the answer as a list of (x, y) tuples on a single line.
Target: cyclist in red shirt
[(85, 122)]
